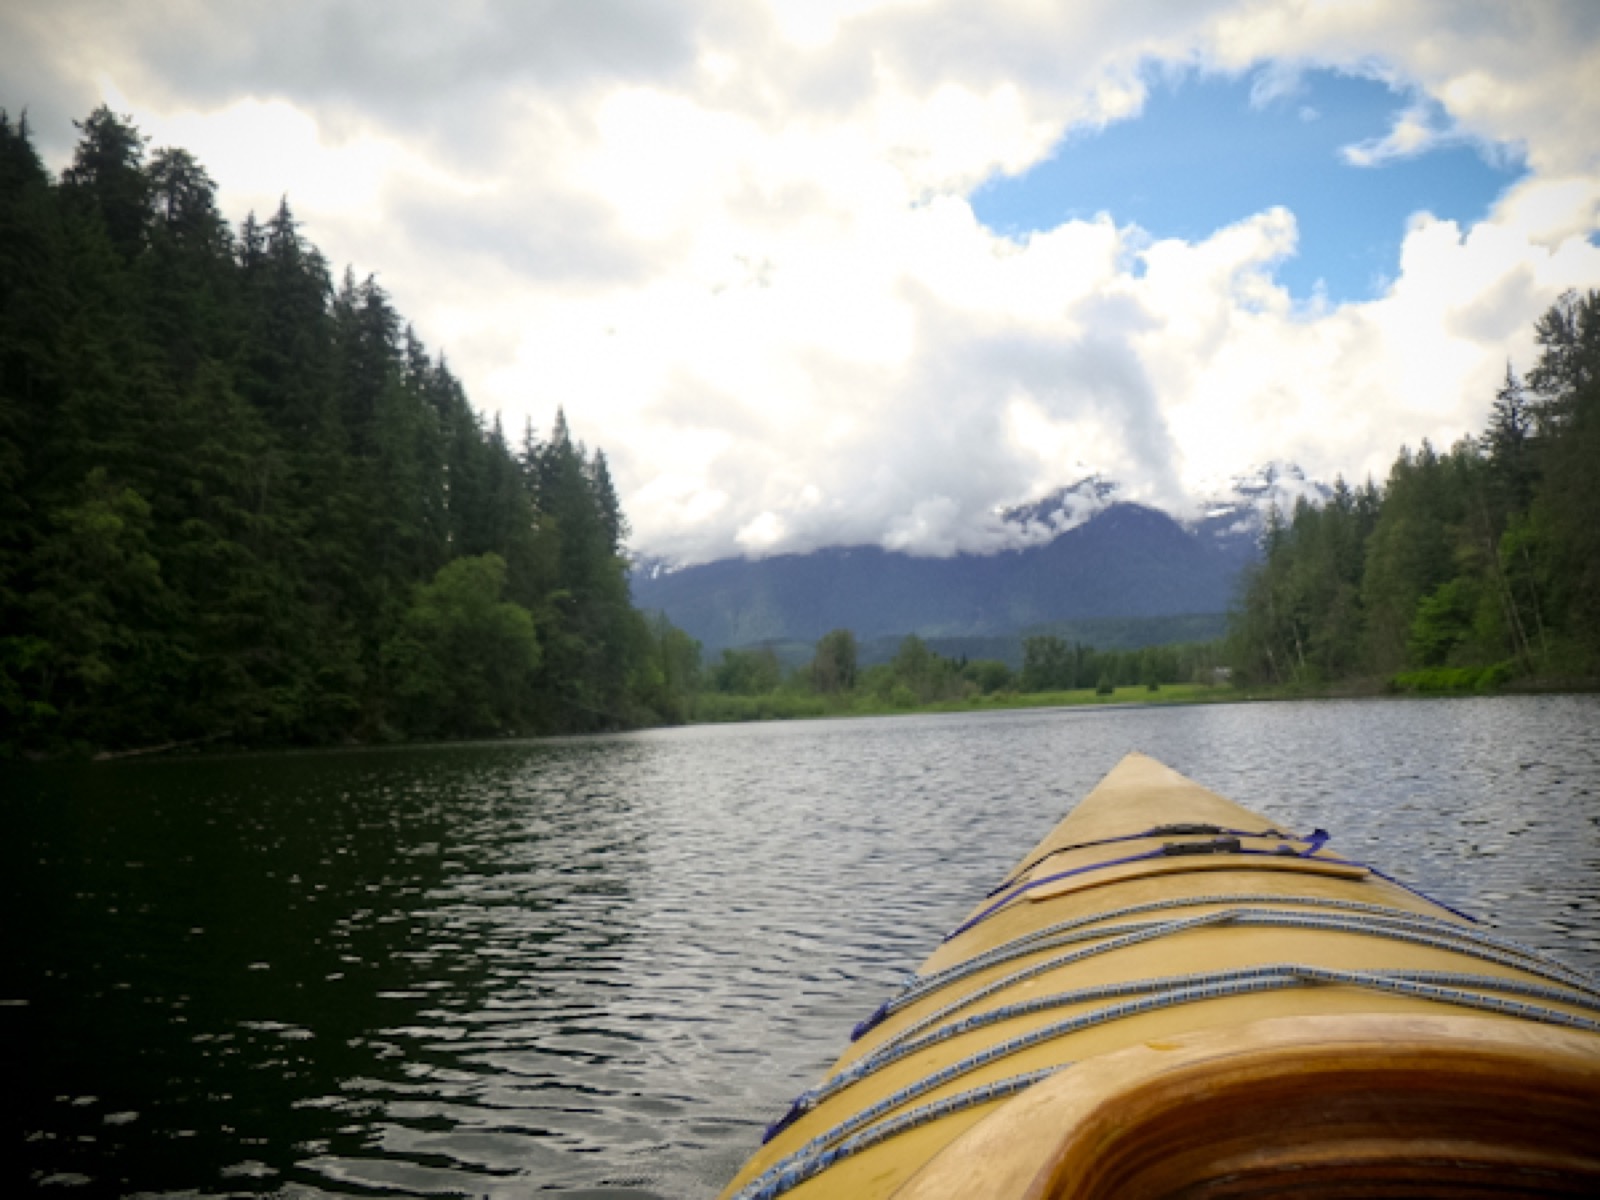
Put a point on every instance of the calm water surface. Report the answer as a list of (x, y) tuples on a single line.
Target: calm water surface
[(596, 968)]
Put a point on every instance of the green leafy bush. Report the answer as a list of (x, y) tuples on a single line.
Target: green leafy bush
[(1446, 680)]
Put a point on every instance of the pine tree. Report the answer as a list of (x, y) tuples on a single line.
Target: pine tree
[(107, 182), (1565, 519), (235, 501)]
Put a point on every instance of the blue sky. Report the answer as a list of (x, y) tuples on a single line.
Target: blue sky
[(1202, 155), (736, 241)]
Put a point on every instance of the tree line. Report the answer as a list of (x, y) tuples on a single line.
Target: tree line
[(240, 500), (1468, 567), (753, 682)]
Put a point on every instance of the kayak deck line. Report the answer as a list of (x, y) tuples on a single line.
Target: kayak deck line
[(1360, 1106), (823, 1153), (1246, 918), (1018, 947), (784, 1176), (1191, 989), (1051, 1049)]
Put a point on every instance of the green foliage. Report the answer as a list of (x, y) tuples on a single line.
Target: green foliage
[(463, 659), (1444, 680), (1051, 664), (747, 672), (1483, 559), (990, 675), (1443, 622), (237, 501), (717, 707), (833, 667), (1302, 606), (918, 678), (916, 675), (667, 672), (90, 648)]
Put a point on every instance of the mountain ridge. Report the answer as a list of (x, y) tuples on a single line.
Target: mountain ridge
[(1083, 554)]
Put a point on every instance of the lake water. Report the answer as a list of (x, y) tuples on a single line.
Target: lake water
[(597, 967)]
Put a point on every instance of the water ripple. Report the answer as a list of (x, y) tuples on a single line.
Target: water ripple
[(597, 967)]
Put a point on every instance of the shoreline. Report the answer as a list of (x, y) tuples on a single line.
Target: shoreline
[(779, 706), (1134, 696)]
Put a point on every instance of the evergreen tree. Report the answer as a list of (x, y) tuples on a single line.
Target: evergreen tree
[(107, 183), (237, 502), (1409, 553), (34, 302), (833, 666), (1564, 525)]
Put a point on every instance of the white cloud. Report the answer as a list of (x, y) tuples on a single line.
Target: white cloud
[(733, 241), (1412, 134)]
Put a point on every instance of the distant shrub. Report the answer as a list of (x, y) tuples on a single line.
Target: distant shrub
[(990, 675), (1447, 680), (1104, 687), (777, 706)]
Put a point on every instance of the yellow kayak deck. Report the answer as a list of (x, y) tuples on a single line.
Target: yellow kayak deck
[(1170, 996)]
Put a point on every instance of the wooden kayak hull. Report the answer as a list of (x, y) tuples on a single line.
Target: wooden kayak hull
[(1168, 996)]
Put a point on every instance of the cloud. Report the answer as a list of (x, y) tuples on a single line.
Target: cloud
[(1413, 134), (1279, 81), (733, 239)]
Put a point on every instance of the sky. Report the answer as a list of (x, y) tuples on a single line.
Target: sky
[(835, 272)]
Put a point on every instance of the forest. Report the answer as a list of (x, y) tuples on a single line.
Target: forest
[(1466, 571), (241, 502), (752, 683), (1468, 568)]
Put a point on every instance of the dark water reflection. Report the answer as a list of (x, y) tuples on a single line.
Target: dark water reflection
[(596, 967)]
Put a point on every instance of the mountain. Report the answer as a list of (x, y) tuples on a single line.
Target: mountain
[(1083, 555), (1240, 512)]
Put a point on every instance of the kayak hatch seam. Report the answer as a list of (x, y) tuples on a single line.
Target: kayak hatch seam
[(812, 1158), (1180, 829), (1314, 843), (1460, 941), (1052, 937), (1231, 846), (1274, 977)]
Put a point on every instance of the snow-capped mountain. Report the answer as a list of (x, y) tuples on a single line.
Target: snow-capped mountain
[(1234, 508), (1239, 507), (1080, 553), (1066, 508)]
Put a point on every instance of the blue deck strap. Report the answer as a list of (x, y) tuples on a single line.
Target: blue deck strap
[(1384, 875)]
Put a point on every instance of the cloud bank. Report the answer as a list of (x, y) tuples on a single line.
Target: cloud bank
[(734, 240)]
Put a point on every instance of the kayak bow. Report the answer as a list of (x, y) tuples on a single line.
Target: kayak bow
[(1171, 996)]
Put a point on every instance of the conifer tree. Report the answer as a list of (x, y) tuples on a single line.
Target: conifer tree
[(237, 502)]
